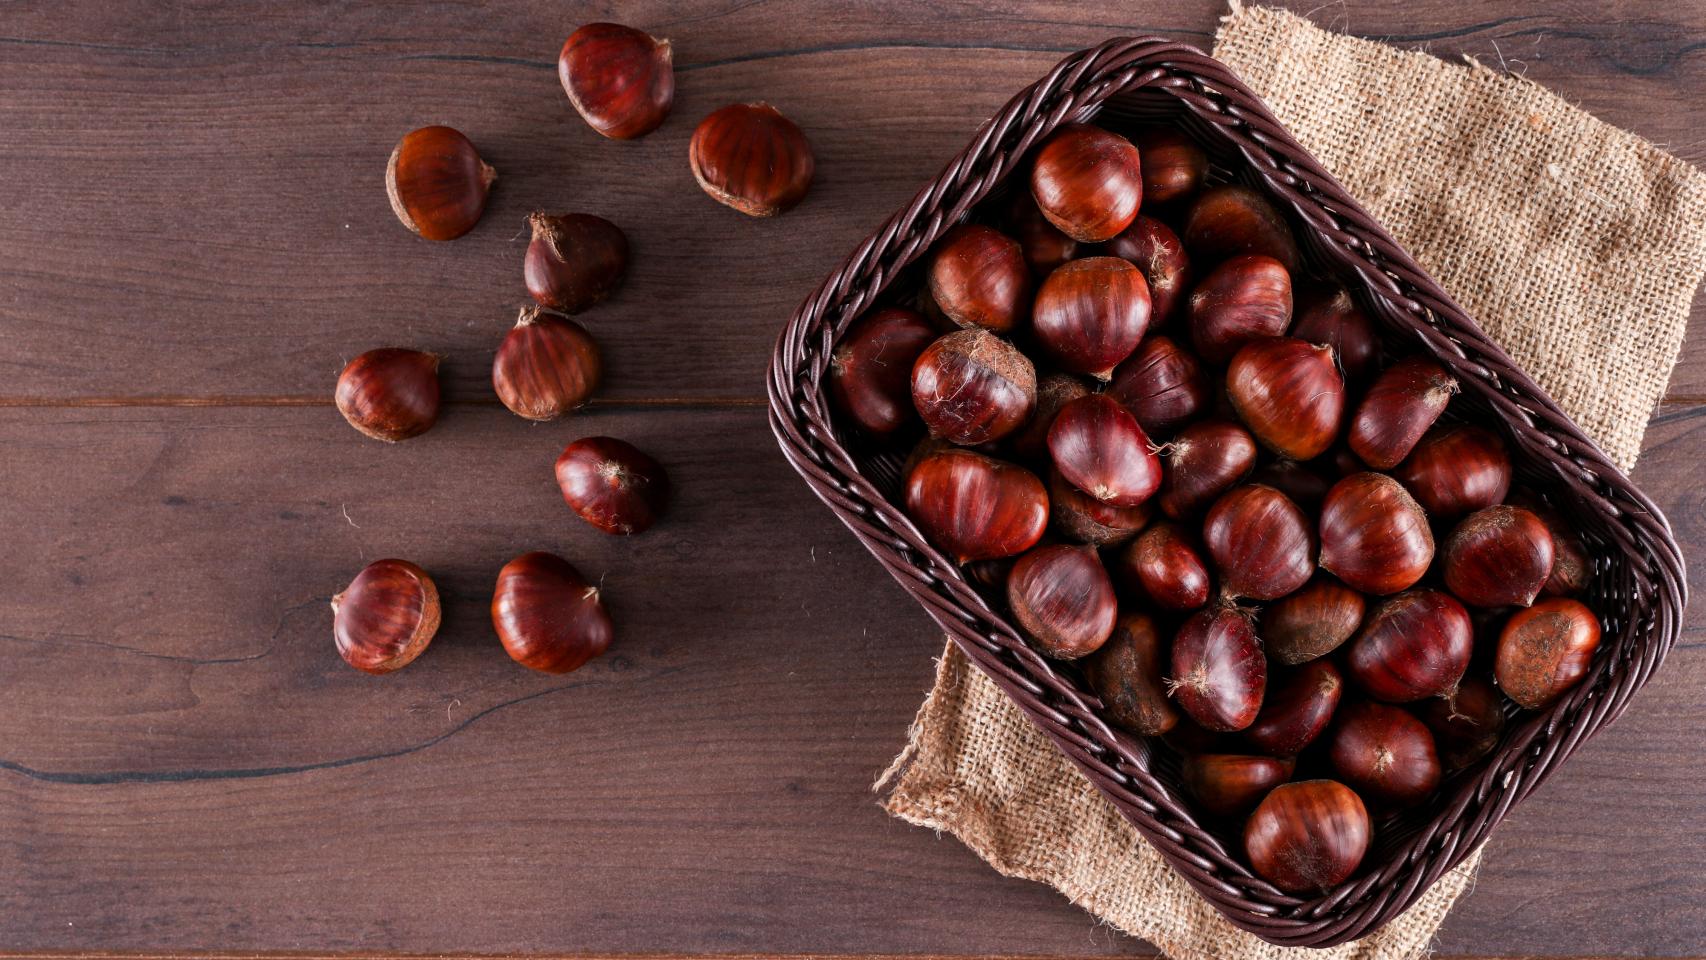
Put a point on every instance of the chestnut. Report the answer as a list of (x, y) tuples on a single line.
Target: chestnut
[(437, 182), (1307, 837), (1466, 723), (1167, 568), (619, 79), (750, 157), (1262, 544), (1328, 315), (1201, 462), (976, 507), (547, 615), (1571, 568), (546, 366), (1099, 448), (1162, 385), (979, 278), (1415, 645), (1044, 246), (1087, 182), (1232, 219), (1374, 536), (390, 394), (1498, 557), (869, 378), (1090, 314), (1246, 298), (1081, 517), (1173, 165), (1159, 254), (1229, 784), (574, 260), (1298, 705), (1545, 650), (972, 387), (1053, 392), (610, 484), (386, 617), (1218, 671), (1312, 622), (1063, 600), (1290, 395), (1398, 409), (1126, 673), (1383, 753), (1456, 469)]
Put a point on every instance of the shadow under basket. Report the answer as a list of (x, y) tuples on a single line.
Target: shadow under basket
[(1638, 588)]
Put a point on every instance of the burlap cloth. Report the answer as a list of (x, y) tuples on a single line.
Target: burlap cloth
[(1578, 247)]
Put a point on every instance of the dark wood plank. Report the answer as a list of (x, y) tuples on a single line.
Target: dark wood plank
[(202, 193), (188, 765)]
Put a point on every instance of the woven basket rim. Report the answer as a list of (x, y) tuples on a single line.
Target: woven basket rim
[(1645, 573)]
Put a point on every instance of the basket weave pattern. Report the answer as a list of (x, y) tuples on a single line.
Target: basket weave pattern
[(1638, 589)]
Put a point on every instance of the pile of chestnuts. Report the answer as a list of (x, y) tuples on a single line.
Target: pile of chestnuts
[(1200, 472), (547, 615)]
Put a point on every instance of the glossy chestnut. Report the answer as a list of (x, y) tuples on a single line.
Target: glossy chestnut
[(1099, 448), (1262, 545), (1091, 314), (1545, 650), (1044, 246), (971, 387), (1062, 598), (1466, 723), (870, 372), (546, 366), (1201, 462), (549, 617), (1311, 622), (975, 507), (1245, 298), (619, 79), (1298, 706), (1415, 645), (437, 182), (1498, 557), (1398, 409), (979, 278), (1308, 837), (386, 617), (612, 485), (1155, 250), (750, 157), (1230, 784), (1374, 536), (390, 394), (1081, 517), (1162, 385), (1165, 566), (1329, 316), (1230, 220), (1456, 469), (1087, 181), (1218, 671), (1383, 753), (1173, 165), (1289, 393), (574, 260)]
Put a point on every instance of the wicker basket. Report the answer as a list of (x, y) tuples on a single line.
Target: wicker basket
[(1638, 588)]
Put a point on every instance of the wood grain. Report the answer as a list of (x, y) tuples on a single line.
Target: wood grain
[(194, 238)]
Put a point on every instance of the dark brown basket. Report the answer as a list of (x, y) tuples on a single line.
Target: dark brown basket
[(1638, 588)]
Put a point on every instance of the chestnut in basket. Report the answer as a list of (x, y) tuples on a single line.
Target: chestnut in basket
[(1162, 385), (1232, 219), (1203, 461), (1098, 447), (1311, 622), (1218, 671), (979, 278), (1261, 543), (1297, 707), (1466, 723), (1289, 393), (870, 372), (1246, 298), (1374, 536), (1157, 251), (1063, 600), (1498, 557), (1053, 392), (1307, 837), (1090, 314), (1456, 469), (1398, 409), (1384, 753), (1087, 181), (1126, 673), (975, 507), (1044, 246), (1415, 645), (971, 387), (1545, 650), (1167, 568), (1173, 165), (1328, 315), (1079, 516), (1229, 784)]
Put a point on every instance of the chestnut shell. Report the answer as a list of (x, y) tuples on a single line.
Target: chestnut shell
[(547, 616), (612, 485), (870, 373), (1308, 837), (546, 366), (574, 260), (390, 394), (971, 387), (437, 182), (386, 617), (1087, 181), (976, 507), (750, 157), (619, 79)]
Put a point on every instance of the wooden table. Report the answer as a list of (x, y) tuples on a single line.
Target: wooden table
[(194, 238)]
